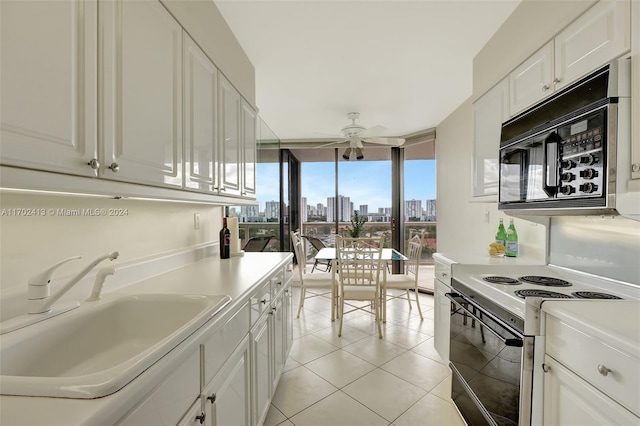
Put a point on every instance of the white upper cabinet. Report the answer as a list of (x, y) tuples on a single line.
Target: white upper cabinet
[(200, 106), (237, 142), (635, 92), (489, 112), (597, 37), (249, 139), (229, 110), (48, 79), (601, 34), (141, 89), (532, 80)]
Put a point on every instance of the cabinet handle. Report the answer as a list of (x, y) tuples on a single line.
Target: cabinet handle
[(545, 88), (212, 398), (94, 164), (279, 283), (201, 417), (263, 301), (114, 167), (222, 188), (557, 80), (603, 370), (546, 368), (444, 275), (635, 167)]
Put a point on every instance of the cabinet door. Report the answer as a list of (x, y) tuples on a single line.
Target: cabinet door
[(569, 400), (48, 97), (141, 86), (442, 316), (635, 92), (260, 369), (489, 112), (249, 137), (229, 122), (287, 306), (200, 106), (598, 36), (227, 397), (278, 326), (532, 80)]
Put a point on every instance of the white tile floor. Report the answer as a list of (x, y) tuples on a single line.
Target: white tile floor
[(359, 379)]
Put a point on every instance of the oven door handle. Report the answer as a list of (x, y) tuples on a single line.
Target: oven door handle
[(515, 342)]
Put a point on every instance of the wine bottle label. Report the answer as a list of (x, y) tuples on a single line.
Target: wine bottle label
[(503, 242)]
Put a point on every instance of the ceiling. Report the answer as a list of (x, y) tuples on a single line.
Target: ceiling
[(404, 65)]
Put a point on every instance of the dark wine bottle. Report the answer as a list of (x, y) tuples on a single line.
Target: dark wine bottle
[(225, 240)]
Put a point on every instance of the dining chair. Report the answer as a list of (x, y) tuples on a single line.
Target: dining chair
[(317, 244), (310, 283), (359, 267), (406, 281)]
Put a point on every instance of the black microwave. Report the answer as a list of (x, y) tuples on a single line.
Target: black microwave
[(559, 157)]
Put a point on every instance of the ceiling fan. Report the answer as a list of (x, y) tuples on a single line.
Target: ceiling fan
[(356, 134)]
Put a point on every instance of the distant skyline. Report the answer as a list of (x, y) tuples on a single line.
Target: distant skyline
[(365, 182)]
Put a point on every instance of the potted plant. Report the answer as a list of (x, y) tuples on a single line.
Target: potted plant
[(357, 225)]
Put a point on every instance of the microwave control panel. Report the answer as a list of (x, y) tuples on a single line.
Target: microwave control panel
[(581, 158)]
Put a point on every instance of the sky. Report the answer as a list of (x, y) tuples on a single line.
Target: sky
[(365, 182)]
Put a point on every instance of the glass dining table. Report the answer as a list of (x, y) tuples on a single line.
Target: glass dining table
[(329, 253)]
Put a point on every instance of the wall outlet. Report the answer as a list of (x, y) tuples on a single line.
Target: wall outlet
[(196, 221)]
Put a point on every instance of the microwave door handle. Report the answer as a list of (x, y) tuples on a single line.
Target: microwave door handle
[(550, 179)]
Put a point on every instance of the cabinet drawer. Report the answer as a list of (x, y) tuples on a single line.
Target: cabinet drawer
[(443, 273), (260, 300), (587, 356), (277, 282), (221, 345)]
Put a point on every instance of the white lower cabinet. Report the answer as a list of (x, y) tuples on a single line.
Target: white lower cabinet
[(442, 310), (232, 368), (569, 400), (167, 404), (227, 398)]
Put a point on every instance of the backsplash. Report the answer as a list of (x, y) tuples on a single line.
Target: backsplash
[(40, 230), (604, 246)]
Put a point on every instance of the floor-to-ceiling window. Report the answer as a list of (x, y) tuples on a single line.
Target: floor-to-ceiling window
[(393, 189)]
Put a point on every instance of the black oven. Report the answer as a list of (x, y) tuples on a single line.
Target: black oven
[(490, 362)]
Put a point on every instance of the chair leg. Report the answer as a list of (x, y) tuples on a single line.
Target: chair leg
[(302, 295), (341, 310), (378, 319), (418, 303), (409, 299)]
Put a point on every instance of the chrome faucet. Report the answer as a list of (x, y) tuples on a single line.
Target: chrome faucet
[(39, 286)]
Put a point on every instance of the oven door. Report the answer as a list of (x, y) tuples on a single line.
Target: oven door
[(486, 357)]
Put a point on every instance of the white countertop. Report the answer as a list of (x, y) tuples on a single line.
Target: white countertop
[(484, 259), (616, 323), (211, 276)]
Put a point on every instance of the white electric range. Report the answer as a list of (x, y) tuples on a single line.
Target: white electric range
[(496, 333)]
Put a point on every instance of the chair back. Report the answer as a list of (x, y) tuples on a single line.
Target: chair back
[(299, 252), (359, 260), (257, 244), (315, 242), (412, 266)]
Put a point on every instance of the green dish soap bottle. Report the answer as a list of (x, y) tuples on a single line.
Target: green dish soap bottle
[(501, 235)]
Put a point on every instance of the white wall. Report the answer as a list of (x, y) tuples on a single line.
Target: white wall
[(466, 228), (29, 244)]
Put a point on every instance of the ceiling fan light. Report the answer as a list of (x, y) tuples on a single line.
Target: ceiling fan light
[(347, 153), (359, 154)]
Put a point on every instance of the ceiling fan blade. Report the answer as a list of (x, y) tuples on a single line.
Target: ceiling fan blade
[(385, 141), (331, 144), (374, 131), (333, 135)]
